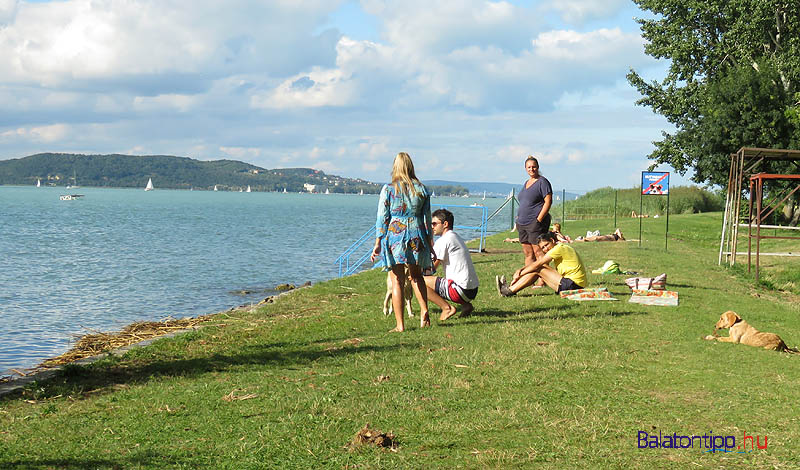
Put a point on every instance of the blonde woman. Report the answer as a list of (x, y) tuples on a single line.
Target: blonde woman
[(404, 235)]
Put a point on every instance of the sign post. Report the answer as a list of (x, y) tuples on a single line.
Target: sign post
[(654, 183)]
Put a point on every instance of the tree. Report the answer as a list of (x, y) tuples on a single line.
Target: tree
[(732, 81)]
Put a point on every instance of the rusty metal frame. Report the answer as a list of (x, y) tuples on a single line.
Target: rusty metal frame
[(757, 193), (744, 165)]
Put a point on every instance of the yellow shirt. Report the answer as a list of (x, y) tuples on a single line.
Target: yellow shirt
[(568, 263)]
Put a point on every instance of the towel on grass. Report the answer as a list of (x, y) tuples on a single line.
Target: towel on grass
[(597, 293), (654, 297)]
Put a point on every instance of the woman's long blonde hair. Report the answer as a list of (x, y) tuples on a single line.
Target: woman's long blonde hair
[(403, 177)]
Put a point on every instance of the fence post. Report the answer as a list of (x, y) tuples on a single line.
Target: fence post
[(512, 209), (563, 207), (615, 209)]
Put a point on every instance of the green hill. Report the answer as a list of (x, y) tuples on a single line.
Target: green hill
[(61, 169)]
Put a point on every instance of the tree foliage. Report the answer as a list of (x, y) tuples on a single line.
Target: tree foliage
[(732, 82)]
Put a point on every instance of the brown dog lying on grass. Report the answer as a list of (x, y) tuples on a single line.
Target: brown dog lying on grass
[(407, 293), (739, 331)]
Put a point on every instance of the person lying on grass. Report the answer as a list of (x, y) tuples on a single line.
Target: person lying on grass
[(460, 282), (569, 272), (614, 237)]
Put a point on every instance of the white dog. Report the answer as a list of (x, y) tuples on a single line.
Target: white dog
[(407, 293)]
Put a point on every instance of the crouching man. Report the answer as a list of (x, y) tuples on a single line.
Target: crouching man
[(460, 282)]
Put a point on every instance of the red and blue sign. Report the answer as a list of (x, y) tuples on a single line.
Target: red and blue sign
[(655, 183)]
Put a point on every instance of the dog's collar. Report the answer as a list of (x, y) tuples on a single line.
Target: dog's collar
[(737, 321)]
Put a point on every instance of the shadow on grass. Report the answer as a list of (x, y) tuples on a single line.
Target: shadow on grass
[(77, 379), (138, 460), (501, 316)]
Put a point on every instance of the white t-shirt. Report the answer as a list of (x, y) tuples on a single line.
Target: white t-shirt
[(451, 250)]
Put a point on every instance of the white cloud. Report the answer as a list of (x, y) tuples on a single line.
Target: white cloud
[(579, 11), (242, 153), (40, 134), (56, 43), (8, 10), (182, 103)]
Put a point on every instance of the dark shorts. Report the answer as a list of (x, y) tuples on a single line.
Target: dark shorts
[(449, 290), (530, 233), (567, 284)]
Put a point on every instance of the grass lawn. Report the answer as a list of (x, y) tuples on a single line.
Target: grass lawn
[(530, 381)]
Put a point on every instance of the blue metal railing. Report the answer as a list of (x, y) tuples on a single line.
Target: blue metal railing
[(350, 260), (347, 268)]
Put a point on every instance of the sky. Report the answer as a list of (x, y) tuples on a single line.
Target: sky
[(469, 88)]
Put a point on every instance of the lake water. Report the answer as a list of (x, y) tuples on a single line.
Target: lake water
[(116, 256)]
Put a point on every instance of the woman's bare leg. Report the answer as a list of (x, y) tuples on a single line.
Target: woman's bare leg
[(398, 282), (420, 292), (527, 251)]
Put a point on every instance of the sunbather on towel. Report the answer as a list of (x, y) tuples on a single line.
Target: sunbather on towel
[(614, 237)]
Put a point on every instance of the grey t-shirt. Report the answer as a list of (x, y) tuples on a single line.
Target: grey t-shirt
[(531, 200)]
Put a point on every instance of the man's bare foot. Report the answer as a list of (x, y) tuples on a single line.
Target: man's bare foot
[(447, 313), (397, 329), (466, 310), (424, 320)]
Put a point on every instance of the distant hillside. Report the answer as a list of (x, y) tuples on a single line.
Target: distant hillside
[(60, 169), (492, 189)]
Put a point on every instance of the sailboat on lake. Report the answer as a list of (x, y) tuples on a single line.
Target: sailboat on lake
[(248, 189), (149, 186), (38, 183)]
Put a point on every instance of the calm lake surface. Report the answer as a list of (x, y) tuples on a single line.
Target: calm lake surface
[(116, 256)]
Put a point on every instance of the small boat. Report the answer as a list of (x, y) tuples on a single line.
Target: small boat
[(149, 186), (215, 187), (361, 193), (484, 195), (38, 183), (70, 197), (327, 191), (74, 181), (248, 189), (284, 190)]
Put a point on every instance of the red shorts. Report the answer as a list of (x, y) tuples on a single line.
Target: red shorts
[(451, 291)]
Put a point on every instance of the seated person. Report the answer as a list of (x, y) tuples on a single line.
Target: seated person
[(614, 237), (560, 237), (569, 272), (460, 282)]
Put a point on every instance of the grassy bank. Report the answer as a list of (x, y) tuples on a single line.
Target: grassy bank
[(531, 381)]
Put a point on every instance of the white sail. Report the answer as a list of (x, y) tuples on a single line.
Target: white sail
[(361, 193), (284, 189), (327, 191), (248, 189), (484, 195), (149, 186), (38, 183), (215, 187)]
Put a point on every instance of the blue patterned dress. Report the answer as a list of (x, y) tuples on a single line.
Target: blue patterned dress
[(403, 227)]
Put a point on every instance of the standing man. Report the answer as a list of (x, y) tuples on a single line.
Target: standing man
[(460, 282)]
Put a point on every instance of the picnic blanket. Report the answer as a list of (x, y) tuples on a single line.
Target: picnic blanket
[(597, 293), (654, 297)]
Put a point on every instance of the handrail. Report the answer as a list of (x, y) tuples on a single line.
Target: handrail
[(348, 266), (344, 259)]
